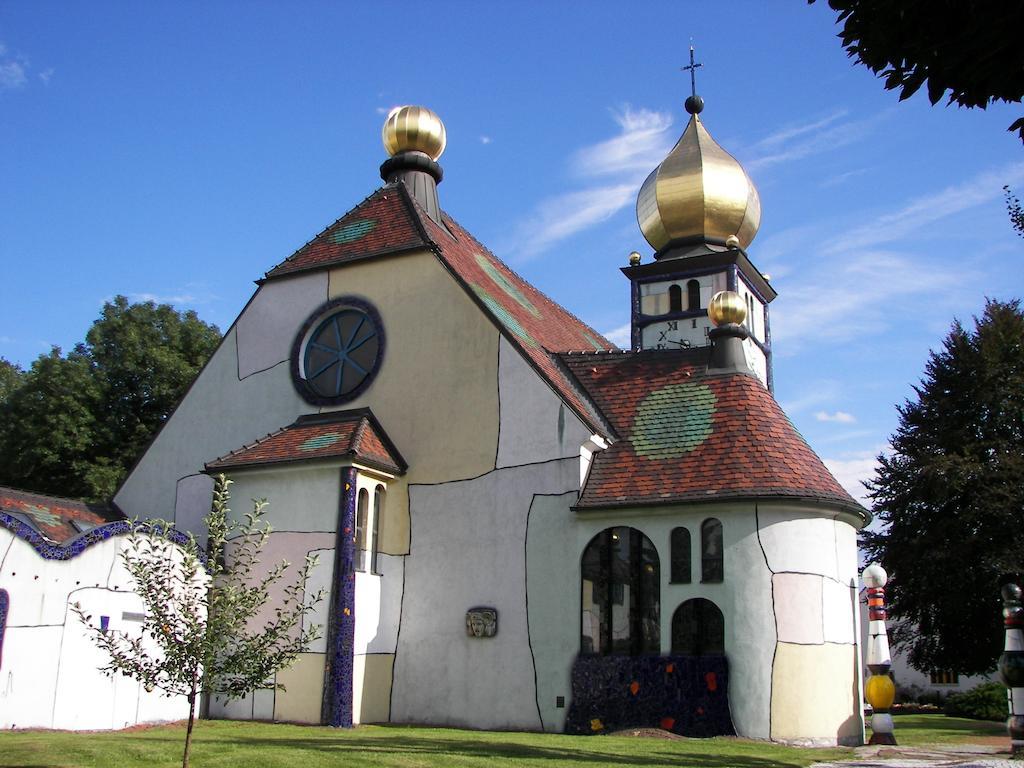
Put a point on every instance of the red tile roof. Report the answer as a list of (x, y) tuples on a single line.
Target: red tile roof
[(58, 519), (688, 436), (380, 224), (354, 435), (529, 319)]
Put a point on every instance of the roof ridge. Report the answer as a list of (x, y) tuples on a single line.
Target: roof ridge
[(247, 446), (598, 336)]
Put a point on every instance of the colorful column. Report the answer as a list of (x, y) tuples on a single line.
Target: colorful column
[(1011, 666), (879, 689), (337, 709)]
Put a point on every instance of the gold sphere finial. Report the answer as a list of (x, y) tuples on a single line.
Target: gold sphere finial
[(414, 129), (726, 307), (732, 242), (634, 258)]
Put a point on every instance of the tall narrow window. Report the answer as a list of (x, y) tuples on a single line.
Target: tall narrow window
[(378, 511), (698, 628), (693, 294), (675, 298), (680, 546), (712, 566), (361, 511), (621, 602)]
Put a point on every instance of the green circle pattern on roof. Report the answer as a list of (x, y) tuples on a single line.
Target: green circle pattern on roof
[(672, 421), (504, 317), (320, 441), (505, 284), (352, 232), (593, 342)]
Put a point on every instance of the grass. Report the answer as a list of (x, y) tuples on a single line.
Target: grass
[(917, 730), (219, 744)]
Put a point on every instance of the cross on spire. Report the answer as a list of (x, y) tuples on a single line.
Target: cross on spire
[(693, 73)]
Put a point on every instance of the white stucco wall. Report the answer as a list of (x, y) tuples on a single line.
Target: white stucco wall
[(468, 549), (49, 676), (535, 424)]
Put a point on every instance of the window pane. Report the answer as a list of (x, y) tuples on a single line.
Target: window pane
[(361, 510), (649, 604), (698, 628), (594, 594), (680, 546), (623, 591), (712, 565), (693, 295), (675, 298), (378, 512)]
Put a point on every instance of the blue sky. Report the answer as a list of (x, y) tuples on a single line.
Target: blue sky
[(178, 151)]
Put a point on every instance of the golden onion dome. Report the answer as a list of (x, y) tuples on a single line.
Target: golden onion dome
[(698, 193), (726, 307), (414, 129)]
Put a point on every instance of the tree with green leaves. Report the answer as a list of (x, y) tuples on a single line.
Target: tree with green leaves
[(209, 627), (968, 48), (950, 496), (73, 425)]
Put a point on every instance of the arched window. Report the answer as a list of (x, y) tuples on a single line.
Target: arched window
[(712, 567), (378, 511), (675, 298), (361, 512), (680, 546), (693, 294), (698, 628), (621, 602)]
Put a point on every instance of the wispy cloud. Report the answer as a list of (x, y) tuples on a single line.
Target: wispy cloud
[(840, 178), (621, 336), (621, 162), (485, 139), (796, 142), (45, 75), (13, 70), (181, 298), (927, 209), (842, 417), (817, 393), (382, 110)]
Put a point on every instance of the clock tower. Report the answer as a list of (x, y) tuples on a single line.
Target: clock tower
[(699, 211)]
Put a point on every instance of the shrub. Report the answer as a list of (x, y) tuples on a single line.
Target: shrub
[(986, 702)]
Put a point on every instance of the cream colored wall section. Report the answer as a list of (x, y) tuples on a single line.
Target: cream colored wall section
[(371, 687), (798, 608), (378, 607), (304, 681), (436, 394), (535, 424), (192, 500), (804, 710), (49, 660), (299, 497), (218, 415), (267, 327), (799, 540)]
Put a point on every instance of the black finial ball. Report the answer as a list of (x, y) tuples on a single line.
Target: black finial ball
[(694, 105)]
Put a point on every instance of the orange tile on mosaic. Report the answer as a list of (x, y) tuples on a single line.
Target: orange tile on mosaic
[(353, 435), (56, 518), (688, 436)]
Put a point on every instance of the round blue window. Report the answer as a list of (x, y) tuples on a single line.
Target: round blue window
[(342, 354)]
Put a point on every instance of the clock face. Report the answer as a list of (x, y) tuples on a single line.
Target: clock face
[(338, 352), (676, 334)]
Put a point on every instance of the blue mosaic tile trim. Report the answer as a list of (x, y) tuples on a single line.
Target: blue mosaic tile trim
[(343, 613), (688, 695), (5, 604), (75, 547)]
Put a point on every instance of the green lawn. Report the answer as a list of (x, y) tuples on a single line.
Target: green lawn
[(252, 745), (915, 730)]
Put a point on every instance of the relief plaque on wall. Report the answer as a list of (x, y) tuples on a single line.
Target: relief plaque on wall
[(482, 622)]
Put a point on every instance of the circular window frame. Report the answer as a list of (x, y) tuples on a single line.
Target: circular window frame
[(320, 315)]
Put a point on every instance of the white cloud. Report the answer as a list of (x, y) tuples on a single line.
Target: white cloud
[(784, 135), (841, 417), (12, 74), (45, 75), (621, 336), (485, 139), (642, 142), (818, 393), (839, 178), (182, 298), (852, 472), (382, 110)]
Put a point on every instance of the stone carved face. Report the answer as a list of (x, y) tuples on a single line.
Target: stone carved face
[(481, 622)]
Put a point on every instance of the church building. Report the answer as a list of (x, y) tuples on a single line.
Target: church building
[(518, 525)]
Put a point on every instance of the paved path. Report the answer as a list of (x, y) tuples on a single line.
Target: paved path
[(945, 755)]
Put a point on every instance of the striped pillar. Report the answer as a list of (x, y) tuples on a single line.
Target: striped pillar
[(1011, 666), (879, 689)]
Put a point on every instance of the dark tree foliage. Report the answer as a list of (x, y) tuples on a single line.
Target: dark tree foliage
[(970, 48), (1013, 207), (73, 425), (11, 377), (952, 497)]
